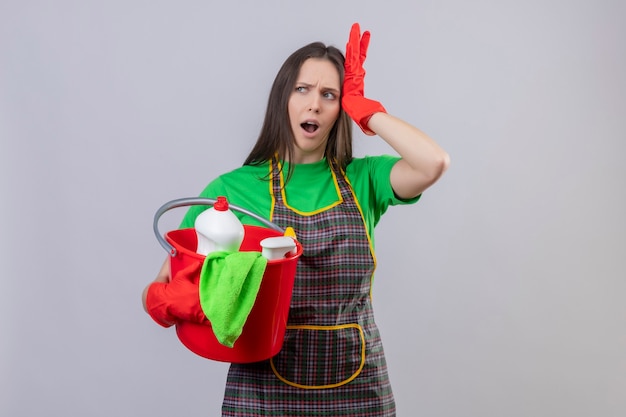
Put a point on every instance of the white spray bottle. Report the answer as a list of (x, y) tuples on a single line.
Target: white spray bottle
[(218, 229)]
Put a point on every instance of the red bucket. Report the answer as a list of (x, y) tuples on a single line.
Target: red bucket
[(264, 330)]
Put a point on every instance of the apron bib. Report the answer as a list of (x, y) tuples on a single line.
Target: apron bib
[(332, 358)]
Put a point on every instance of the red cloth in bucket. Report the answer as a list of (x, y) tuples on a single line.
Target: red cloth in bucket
[(263, 333)]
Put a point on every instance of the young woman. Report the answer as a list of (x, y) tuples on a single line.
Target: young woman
[(301, 173)]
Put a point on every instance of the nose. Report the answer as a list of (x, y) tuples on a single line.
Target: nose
[(315, 106)]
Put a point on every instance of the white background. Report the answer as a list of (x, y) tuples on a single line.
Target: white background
[(501, 293)]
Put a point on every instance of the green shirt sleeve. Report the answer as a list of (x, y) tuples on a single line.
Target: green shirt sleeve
[(370, 179)]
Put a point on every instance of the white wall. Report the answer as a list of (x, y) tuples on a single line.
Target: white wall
[(500, 294)]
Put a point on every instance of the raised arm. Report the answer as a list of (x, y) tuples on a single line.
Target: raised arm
[(422, 161)]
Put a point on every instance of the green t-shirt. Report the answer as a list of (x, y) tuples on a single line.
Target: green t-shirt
[(310, 188)]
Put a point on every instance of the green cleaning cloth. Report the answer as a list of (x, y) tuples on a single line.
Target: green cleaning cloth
[(229, 283)]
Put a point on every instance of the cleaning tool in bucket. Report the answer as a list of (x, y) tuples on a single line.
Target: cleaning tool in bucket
[(218, 229), (228, 287), (264, 329), (277, 247)]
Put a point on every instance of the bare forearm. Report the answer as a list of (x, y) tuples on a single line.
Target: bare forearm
[(423, 160)]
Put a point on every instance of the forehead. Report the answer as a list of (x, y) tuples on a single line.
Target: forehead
[(319, 71)]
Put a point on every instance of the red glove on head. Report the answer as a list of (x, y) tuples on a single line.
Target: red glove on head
[(359, 108), (178, 300)]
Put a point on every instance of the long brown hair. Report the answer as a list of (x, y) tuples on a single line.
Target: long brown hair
[(276, 136)]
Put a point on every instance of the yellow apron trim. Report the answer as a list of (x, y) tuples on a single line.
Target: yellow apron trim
[(273, 200), (295, 210), (338, 384)]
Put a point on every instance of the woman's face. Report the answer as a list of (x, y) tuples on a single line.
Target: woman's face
[(314, 107)]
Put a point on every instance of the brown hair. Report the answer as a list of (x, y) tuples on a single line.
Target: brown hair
[(276, 136)]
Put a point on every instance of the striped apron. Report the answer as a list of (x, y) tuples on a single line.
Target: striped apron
[(332, 361)]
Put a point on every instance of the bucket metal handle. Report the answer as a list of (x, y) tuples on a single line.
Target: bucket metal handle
[(200, 201)]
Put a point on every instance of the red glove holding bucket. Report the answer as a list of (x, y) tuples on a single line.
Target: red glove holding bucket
[(359, 108), (177, 300)]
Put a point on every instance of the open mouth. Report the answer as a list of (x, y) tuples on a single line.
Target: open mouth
[(309, 126)]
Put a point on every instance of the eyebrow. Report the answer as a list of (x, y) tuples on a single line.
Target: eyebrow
[(304, 84)]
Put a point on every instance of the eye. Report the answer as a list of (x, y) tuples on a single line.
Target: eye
[(330, 96), (301, 89)]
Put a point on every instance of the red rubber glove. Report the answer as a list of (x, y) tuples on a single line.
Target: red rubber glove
[(359, 108), (178, 300)]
